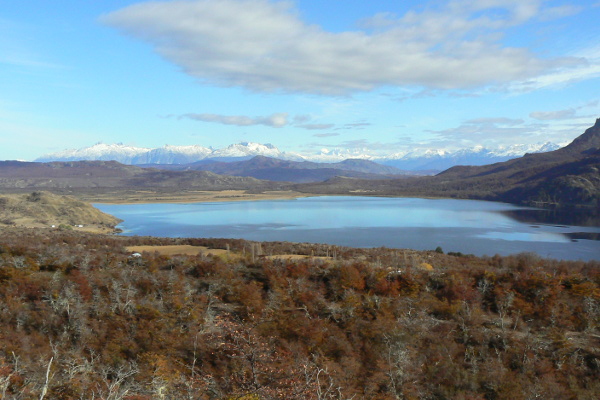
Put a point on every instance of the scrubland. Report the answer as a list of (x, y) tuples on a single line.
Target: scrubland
[(81, 318)]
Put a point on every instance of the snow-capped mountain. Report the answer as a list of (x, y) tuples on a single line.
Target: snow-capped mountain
[(243, 150), (414, 160), (439, 160), (100, 151), (338, 155), (173, 155), (169, 154)]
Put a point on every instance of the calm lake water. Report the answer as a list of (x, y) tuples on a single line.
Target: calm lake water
[(467, 226)]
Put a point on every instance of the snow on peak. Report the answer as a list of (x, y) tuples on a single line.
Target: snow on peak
[(430, 158), (167, 154), (99, 151), (337, 155), (244, 149)]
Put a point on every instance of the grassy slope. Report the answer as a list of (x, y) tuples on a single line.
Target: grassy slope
[(44, 209)]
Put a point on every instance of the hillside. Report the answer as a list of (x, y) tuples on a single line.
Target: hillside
[(565, 177), (80, 318), (562, 178), (43, 209), (274, 169), (77, 175)]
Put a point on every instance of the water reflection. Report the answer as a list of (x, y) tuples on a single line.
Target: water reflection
[(577, 217), (467, 226), (584, 235)]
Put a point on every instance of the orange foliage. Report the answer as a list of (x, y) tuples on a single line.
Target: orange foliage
[(369, 324)]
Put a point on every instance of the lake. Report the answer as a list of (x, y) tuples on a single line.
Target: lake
[(466, 226)]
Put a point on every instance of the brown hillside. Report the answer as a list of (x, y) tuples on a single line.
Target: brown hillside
[(43, 209), (80, 175), (80, 318)]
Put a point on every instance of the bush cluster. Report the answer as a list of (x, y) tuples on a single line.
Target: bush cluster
[(80, 318)]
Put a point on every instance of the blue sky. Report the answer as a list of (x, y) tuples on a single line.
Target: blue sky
[(305, 75)]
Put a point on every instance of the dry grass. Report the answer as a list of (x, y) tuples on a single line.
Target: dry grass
[(172, 250), (142, 197), (44, 209), (188, 250), (292, 257)]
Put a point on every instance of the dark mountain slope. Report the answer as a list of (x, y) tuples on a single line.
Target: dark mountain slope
[(273, 169), (583, 146), (111, 174), (561, 178)]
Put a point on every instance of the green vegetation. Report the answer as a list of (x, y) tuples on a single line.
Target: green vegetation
[(80, 319)]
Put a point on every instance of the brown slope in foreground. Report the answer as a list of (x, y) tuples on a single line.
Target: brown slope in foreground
[(373, 324), (43, 209), (568, 177)]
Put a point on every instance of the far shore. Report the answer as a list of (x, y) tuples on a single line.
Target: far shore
[(148, 197)]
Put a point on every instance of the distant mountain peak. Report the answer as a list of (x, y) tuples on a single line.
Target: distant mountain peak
[(419, 158)]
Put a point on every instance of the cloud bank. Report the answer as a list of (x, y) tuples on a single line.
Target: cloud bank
[(277, 120), (553, 115), (264, 46)]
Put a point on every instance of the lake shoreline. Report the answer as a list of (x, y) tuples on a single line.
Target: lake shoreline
[(204, 196), (363, 221), (209, 196)]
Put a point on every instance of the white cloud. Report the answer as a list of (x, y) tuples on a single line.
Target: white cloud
[(558, 78), (587, 68), (322, 135), (495, 121), (264, 46), (493, 132), (315, 127), (356, 125), (553, 115), (560, 12), (568, 113), (486, 130), (277, 120)]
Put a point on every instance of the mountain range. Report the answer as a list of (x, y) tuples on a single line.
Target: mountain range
[(439, 160), (418, 159), (566, 177), (97, 175), (167, 154), (274, 169)]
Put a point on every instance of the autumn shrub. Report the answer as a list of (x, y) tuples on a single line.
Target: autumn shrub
[(365, 324)]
